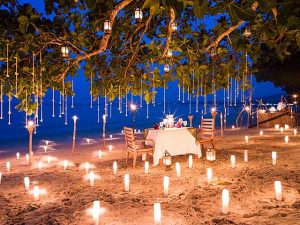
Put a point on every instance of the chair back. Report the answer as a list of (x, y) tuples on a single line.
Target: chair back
[(208, 128), (129, 137)]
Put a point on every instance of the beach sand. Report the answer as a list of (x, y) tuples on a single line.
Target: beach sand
[(191, 199)]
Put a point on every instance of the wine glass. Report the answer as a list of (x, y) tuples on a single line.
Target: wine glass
[(161, 124), (184, 123)]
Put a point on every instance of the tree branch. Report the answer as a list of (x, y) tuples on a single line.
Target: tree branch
[(170, 32)]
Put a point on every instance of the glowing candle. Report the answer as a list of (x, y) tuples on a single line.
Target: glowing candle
[(295, 132), (27, 158), (87, 167), (27, 183), (286, 126), (245, 155), (261, 133), (146, 167), (281, 130), (36, 193), (274, 158), (166, 185), (110, 148), (178, 171), (232, 160), (277, 126), (233, 127), (278, 191), (92, 179), (65, 164), (209, 175), (126, 182), (100, 154), (8, 166), (225, 201), (47, 143), (88, 141), (115, 168), (144, 157), (157, 213), (45, 148), (286, 139), (49, 159), (40, 165), (190, 161), (18, 155), (0, 177), (96, 211), (110, 136), (247, 139)]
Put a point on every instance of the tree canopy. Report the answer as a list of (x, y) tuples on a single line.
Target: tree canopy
[(127, 56)]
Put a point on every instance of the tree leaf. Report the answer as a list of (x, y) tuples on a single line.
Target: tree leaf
[(243, 14), (232, 15), (91, 4)]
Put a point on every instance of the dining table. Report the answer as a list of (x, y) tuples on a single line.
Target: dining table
[(176, 141)]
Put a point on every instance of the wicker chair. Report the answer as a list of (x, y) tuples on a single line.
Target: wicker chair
[(207, 132), (136, 146)]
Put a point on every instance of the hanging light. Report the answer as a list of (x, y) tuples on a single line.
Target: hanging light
[(138, 14), (247, 33), (169, 53), (64, 51), (166, 68), (107, 26), (174, 26)]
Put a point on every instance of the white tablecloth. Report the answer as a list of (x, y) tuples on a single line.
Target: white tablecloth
[(177, 141)]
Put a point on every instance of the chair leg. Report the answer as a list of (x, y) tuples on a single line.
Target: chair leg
[(134, 159), (127, 155)]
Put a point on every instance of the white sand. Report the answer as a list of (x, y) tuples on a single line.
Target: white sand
[(191, 200)]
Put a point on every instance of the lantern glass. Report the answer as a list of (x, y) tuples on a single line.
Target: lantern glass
[(107, 26), (174, 26), (138, 14), (166, 68), (64, 51), (170, 53), (167, 159), (210, 154)]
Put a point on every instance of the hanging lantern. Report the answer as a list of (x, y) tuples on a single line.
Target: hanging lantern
[(166, 68), (167, 160), (64, 51), (107, 26), (247, 33), (138, 14), (174, 26), (169, 53), (210, 154)]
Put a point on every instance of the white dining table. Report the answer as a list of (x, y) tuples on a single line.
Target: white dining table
[(177, 141)]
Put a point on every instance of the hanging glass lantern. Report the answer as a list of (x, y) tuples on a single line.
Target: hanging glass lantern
[(174, 26), (138, 14), (166, 68), (169, 53), (210, 154), (64, 51), (247, 33), (107, 26), (167, 159)]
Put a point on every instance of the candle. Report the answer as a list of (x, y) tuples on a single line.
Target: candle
[(157, 213), (209, 175), (274, 158), (286, 139), (261, 133), (110, 148), (92, 179), (87, 167), (115, 168), (100, 154), (146, 167), (245, 155), (36, 193), (166, 185), (49, 159), (18, 155), (225, 201), (232, 160), (110, 136), (27, 183), (144, 157), (88, 141), (281, 130), (277, 126), (286, 126), (96, 211), (178, 169), (233, 127), (65, 164), (45, 148), (278, 191), (295, 132), (8, 167), (190, 161), (40, 165), (246, 139), (27, 158), (47, 143), (0, 177), (126, 182)]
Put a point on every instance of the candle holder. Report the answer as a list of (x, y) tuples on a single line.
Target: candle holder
[(211, 154), (167, 160)]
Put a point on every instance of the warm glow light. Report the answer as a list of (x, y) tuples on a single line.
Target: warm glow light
[(30, 123), (110, 148), (166, 185), (295, 132), (225, 201), (213, 109), (47, 143), (107, 26), (27, 183), (40, 165), (261, 133), (209, 175), (274, 158), (232, 127), (178, 171), (157, 213), (100, 154), (104, 118), (18, 155), (133, 107), (286, 139), (247, 108), (88, 140), (190, 161), (75, 118), (65, 164), (36, 193), (278, 190), (0, 177), (281, 130), (245, 155), (174, 26), (277, 126), (126, 182), (92, 179), (247, 139), (138, 14), (146, 167), (87, 167), (27, 158), (169, 53), (49, 159), (115, 168), (232, 160), (96, 211), (45, 148), (286, 126), (110, 136), (8, 166)]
